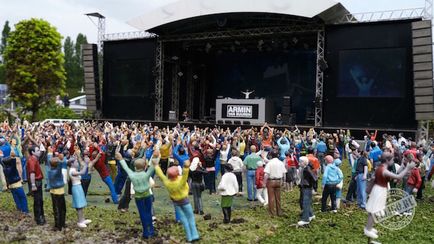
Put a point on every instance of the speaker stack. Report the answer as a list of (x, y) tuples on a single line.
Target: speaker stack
[(287, 117)]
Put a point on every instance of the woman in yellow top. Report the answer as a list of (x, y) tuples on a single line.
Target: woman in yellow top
[(165, 151), (178, 191)]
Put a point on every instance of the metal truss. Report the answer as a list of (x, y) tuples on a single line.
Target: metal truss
[(127, 35), (319, 78), (300, 28), (101, 32), (159, 81), (412, 13), (428, 11), (423, 130), (175, 89), (100, 26)]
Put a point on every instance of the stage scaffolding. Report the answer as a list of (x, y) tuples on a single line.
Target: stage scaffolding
[(319, 84), (425, 13), (192, 82)]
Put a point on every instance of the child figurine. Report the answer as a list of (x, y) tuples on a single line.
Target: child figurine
[(261, 191), (78, 198), (143, 195), (178, 190), (11, 169), (56, 183), (227, 188), (339, 186)]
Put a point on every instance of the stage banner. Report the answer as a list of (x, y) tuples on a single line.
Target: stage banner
[(240, 111)]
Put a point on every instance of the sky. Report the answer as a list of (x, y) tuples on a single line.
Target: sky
[(69, 19)]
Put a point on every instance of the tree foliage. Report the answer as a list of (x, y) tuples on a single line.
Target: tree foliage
[(34, 65), (73, 63), (54, 111), (5, 34), (3, 42)]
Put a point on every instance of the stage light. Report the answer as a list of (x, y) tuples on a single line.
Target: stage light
[(195, 77), (237, 43), (175, 58), (180, 74), (260, 43), (294, 40), (208, 47)]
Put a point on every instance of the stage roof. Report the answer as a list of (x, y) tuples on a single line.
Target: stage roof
[(327, 10)]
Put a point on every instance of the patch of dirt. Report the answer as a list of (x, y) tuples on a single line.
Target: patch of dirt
[(207, 217), (238, 221)]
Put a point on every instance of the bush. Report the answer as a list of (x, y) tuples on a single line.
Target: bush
[(55, 111)]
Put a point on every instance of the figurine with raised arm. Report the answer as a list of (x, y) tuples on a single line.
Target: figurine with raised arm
[(247, 93)]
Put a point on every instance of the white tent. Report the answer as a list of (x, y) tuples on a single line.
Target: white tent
[(328, 10)]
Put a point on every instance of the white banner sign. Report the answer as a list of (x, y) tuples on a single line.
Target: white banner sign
[(239, 111)]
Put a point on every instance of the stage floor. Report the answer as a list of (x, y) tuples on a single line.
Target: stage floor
[(357, 132)]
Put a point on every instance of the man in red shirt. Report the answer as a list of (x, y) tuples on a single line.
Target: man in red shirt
[(35, 175), (315, 165), (102, 169)]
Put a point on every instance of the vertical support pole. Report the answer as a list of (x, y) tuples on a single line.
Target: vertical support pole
[(175, 89), (428, 11), (159, 81), (319, 79)]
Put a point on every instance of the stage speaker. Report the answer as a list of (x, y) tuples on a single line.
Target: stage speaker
[(286, 110), (172, 116), (91, 77)]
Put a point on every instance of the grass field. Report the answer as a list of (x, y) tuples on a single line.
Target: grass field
[(252, 222)]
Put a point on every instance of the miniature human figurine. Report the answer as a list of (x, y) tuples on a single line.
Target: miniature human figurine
[(378, 196), (143, 196), (227, 188), (101, 167), (35, 175), (78, 198), (178, 190), (11, 170), (57, 190)]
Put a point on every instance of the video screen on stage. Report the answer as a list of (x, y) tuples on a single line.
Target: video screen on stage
[(372, 72), (271, 75)]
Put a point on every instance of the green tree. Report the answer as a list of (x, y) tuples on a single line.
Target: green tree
[(3, 44), (68, 50), (81, 39), (54, 111), (5, 33), (73, 64), (34, 65)]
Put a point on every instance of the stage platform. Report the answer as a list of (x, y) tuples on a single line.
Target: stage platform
[(357, 132)]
